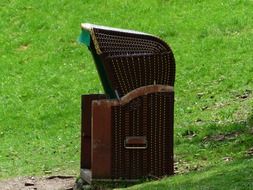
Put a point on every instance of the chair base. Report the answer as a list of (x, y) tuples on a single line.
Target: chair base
[(86, 175)]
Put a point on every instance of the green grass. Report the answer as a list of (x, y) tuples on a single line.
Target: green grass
[(43, 72), (229, 176)]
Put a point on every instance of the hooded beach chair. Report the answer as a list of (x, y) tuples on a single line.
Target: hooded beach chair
[(127, 132)]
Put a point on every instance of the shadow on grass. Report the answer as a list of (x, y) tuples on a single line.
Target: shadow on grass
[(118, 185), (214, 133)]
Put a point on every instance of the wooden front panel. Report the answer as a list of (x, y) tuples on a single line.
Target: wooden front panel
[(101, 140), (86, 128)]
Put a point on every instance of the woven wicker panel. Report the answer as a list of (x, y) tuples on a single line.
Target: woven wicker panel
[(133, 60), (150, 116), (127, 73), (120, 43)]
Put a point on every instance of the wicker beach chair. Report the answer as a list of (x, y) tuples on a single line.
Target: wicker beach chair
[(127, 133)]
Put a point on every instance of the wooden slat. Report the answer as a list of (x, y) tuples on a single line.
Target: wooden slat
[(101, 140)]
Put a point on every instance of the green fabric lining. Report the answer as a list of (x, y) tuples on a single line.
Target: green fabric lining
[(85, 38)]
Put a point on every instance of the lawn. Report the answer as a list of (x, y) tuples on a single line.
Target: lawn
[(44, 70), (229, 176)]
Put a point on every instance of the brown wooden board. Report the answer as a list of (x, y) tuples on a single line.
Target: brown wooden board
[(86, 101)]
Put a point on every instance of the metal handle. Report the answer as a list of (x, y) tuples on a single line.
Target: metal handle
[(136, 142)]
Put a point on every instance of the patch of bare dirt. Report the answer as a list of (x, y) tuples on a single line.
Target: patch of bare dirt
[(250, 152), (221, 137), (23, 47), (39, 183), (245, 94)]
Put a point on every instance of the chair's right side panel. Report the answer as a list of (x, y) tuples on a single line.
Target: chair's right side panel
[(151, 117)]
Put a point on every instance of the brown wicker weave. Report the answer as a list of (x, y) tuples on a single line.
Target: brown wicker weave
[(129, 134), (127, 59)]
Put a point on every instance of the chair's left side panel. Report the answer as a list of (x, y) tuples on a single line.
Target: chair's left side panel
[(86, 109)]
